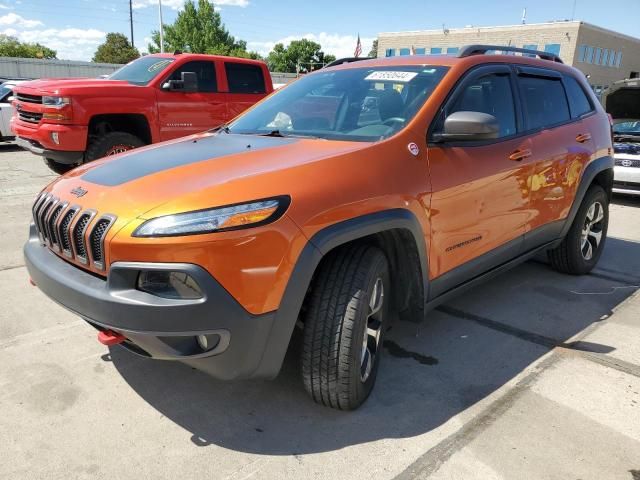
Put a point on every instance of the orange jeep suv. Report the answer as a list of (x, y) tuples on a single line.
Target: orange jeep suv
[(363, 192)]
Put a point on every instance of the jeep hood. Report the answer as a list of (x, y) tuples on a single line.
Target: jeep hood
[(200, 171), (622, 100)]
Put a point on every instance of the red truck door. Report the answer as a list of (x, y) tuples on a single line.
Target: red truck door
[(246, 86), (182, 113)]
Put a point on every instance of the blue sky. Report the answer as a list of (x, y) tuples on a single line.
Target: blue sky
[(75, 27)]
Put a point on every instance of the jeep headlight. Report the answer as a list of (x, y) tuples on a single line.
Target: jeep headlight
[(232, 217), (51, 101)]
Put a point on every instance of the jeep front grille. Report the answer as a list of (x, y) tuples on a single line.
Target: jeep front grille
[(628, 162), (70, 231)]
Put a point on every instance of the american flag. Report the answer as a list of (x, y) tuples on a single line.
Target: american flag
[(358, 50)]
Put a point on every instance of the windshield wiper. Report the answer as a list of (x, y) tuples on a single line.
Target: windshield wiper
[(272, 133)]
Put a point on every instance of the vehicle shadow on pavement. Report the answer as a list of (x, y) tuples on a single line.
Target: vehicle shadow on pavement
[(431, 371)]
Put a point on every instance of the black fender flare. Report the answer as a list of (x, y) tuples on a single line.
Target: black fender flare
[(594, 168), (316, 248)]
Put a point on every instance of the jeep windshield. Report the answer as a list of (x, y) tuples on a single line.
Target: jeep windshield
[(142, 70), (358, 104)]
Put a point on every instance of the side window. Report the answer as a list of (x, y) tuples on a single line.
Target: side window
[(205, 71), (544, 101), (578, 101), (244, 78), (490, 94)]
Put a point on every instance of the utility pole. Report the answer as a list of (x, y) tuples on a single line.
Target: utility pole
[(131, 19), (161, 27)]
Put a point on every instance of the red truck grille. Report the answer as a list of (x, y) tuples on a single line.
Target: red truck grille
[(70, 231), (23, 97), (30, 117)]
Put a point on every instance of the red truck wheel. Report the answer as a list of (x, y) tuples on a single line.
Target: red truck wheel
[(111, 144)]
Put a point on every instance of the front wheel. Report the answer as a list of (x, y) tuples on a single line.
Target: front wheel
[(581, 248), (111, 143), (343, 326), (57, 167)]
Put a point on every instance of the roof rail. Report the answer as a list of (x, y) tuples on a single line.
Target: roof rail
[(470, 50), (340, 61)]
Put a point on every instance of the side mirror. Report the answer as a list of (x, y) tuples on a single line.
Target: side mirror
[(468, 126), (187, 84)]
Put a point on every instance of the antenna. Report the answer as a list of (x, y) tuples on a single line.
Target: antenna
[(573, 10), (524, 16)]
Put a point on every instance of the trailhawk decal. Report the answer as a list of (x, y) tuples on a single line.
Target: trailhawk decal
[(140, 163), (463, 244)]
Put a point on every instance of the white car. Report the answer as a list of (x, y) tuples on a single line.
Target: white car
[(622, 102), (6, 109)]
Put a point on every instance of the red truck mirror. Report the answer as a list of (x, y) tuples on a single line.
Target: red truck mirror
[(187, 84)]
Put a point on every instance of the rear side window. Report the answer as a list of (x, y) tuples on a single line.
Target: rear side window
[(578, 100), (205, 71), (244, 78), (488, 94), (544, 101)]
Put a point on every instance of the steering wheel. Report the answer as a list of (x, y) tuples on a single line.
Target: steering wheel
[(391, 121)]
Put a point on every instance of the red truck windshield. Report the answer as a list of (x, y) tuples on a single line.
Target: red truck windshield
[(142, 70)]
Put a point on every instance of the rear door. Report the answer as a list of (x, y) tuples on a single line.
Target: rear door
[(246, 86), (554, 106), (480, 198), (182, 113)]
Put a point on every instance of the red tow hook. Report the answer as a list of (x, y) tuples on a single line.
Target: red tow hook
[(109, 337)]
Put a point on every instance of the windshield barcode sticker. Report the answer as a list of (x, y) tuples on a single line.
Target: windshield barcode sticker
[(401, 77)]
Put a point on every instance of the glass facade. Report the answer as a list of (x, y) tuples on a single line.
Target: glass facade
[(552, 48)]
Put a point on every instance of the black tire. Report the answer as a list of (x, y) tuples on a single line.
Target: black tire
[(573, 256), (57, 167), (108, 144), (334, 368)]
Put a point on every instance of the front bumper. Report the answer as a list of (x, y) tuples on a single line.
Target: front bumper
[(37, 139), (626, 180), (157, 327)]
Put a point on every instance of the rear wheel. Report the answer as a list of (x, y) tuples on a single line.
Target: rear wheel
[(58, 167), (111, 143), (581, 248), (343, 327)]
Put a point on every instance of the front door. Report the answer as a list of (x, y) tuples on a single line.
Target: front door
[(480, 197), (181, 114)]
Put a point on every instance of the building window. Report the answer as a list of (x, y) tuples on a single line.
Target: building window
[(552, 48), (612, 59), (589, 56), (420, 51), (405, 51), (390, 52), (597, 57), (619, 60), (582, 53), (436, 50), (530, 46), (605, 57), (452, 50)]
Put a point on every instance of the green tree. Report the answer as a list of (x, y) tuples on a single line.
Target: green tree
[(116, 49), (199, 29), (301, 55), (12, 47), (374, 49)]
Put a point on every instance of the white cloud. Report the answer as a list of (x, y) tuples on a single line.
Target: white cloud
[(177, 4), (70, 43), (333, 43), (4, 7), (18, 21)]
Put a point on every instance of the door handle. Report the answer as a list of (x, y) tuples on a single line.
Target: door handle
[(583, 137), (518, 155)]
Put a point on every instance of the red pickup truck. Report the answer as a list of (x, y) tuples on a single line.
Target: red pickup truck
[(152, 99)]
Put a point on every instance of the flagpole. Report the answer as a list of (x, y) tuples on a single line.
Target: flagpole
[(161, 26)]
